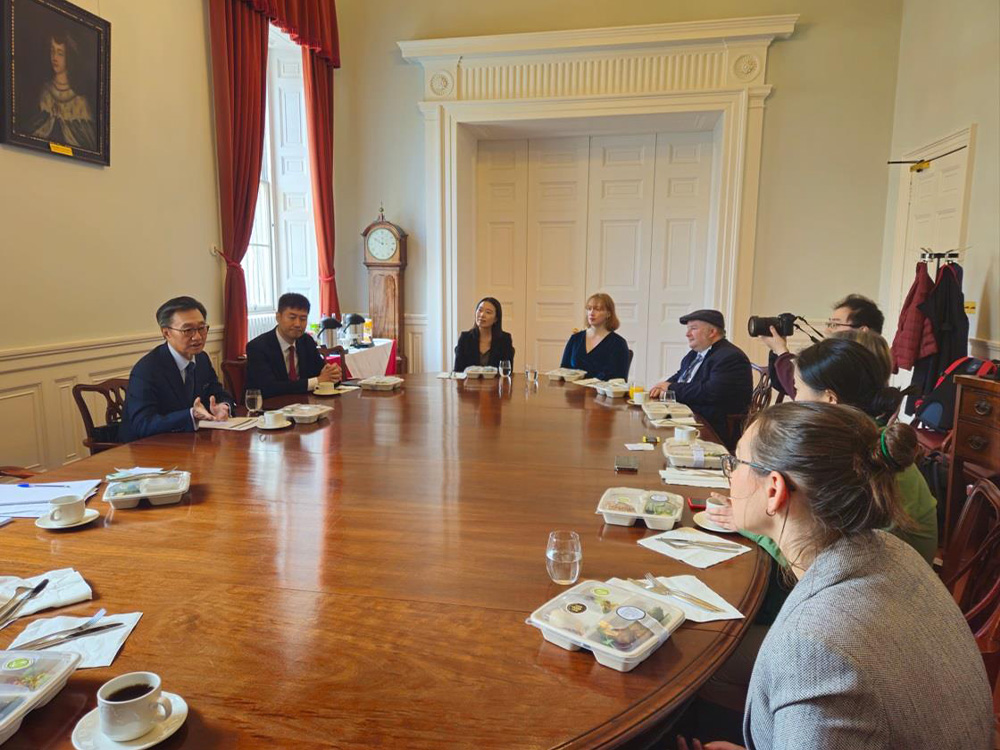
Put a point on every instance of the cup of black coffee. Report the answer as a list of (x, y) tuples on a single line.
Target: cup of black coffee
[(131, 705)]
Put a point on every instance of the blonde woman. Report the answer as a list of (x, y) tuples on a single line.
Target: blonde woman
[(598, 349)]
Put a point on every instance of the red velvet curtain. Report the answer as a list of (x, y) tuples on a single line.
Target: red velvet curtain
[(319, 108), (239, 66), (310, 23)]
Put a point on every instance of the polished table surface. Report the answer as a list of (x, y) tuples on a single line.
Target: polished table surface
[(364, 582)]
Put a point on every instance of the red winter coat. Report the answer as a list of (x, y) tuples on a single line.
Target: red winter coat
[(915, 335)]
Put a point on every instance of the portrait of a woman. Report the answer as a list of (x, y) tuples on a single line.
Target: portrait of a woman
[(64, 116)]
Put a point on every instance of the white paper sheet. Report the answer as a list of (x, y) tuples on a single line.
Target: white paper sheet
[(33, 501), (695, 478), (237, 424), (694, 556), (639, 446)]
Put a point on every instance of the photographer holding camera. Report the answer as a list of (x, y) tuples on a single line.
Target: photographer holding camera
[(853, 313)]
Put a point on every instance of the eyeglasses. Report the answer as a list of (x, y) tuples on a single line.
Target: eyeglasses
[(834, 324), (190, 332), (730, 462)]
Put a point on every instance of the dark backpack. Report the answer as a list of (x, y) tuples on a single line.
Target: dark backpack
[(936, 410)]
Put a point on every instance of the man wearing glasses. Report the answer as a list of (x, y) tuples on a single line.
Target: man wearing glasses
[(174, 386), (854, 312)]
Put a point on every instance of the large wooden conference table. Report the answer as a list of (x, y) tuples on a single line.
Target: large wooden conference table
[(364, 582)]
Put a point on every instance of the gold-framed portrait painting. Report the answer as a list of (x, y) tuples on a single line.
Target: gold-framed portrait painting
[(56, 93)]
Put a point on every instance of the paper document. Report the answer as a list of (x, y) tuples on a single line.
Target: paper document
[(18, 501), (639, 446), (236, 423)]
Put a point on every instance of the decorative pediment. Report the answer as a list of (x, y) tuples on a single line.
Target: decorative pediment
[(610, 62)]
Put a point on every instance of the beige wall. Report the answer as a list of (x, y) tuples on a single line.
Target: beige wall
[(89, 252), (949, 78), (826, 131)]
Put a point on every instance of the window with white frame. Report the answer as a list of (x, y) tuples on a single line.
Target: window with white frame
[(281, 256)]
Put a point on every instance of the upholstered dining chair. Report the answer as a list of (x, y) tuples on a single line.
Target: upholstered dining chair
[(101, 437), (234, 377)]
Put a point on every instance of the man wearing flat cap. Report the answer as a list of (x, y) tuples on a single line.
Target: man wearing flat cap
[(715, 378)]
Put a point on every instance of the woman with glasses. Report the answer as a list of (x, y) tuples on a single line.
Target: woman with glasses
[(597, 349), (486, 343), (869, 650)]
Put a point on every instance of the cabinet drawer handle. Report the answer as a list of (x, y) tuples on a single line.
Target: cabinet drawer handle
[(977, 443), (982, 407)]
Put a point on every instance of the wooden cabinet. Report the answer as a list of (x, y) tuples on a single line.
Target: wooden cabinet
[(976, 439)]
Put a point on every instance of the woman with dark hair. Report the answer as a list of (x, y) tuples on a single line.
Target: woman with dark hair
[(838, 371), (597, 349), (869, 650), (64, 116), (486, 343)]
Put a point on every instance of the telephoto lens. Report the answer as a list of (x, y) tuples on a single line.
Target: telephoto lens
[(761, 326)]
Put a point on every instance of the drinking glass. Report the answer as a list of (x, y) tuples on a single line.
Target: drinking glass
[(668, 397), (562, 557), (530, 374), (254, 401), (506, 368)]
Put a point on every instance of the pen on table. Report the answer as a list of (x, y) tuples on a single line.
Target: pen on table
[(40, 486)]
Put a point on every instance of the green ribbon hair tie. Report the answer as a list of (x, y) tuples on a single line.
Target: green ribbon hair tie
[(885, 451)]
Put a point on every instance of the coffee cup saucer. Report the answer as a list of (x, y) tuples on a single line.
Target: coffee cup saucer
[(87, 734), (90, 514), (701, 519), (283, 425), (633, 402)]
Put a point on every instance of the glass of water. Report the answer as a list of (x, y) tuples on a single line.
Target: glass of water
[(506, 367), (530, 374), (253, 401), (668, 397), (562, 557)]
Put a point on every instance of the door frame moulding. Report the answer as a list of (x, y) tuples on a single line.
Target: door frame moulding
[(715, 66)]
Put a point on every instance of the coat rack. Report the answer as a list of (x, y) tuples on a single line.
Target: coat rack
[(948, 256)]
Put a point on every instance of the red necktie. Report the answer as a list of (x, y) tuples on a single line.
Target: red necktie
[(292, 374)]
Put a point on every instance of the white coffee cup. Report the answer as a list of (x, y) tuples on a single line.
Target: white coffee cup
[(274, 419), (714, 503), (123, 720), (686, 434), (639, 397), (66, 509)]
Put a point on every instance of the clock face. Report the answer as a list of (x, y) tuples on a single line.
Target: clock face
[(382, 244)]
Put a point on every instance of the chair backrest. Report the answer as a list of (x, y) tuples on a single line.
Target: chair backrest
[(102, 437), (760, 398), (234, 376), (972, 573)]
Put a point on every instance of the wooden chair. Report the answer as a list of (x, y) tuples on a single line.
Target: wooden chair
[(760, 398), (17, 472), (972, 574), (234, 377), (102, 437)]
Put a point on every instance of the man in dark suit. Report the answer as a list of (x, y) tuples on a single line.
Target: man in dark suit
[(284, 360), (715, 378), (174, 386)]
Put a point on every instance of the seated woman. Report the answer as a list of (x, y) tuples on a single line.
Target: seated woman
[(598, 349), (486, 343), (869, 650)]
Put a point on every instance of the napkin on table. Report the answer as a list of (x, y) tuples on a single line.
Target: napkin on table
[(674, 422), (689, 585), (639, 446), (97, 650), (695, 478), (694, 556), (65, 587)]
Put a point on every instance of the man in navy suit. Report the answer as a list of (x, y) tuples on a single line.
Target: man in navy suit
[(284, 360), (174, 386), (715, 378)]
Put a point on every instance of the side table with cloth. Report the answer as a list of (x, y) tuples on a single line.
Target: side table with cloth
[(368, 362)]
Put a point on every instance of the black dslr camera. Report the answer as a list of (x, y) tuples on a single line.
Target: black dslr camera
[(760, 326)]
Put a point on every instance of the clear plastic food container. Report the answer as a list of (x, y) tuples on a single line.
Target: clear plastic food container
[(565, 373), (612, 390), (700, 454), (620, 627), (162, 490), (29, 680), (381, 383), (486, 371), (306, 413), (664, 410), (623, 506)]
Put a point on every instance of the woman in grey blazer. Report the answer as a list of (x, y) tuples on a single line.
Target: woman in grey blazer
[(869, 650)]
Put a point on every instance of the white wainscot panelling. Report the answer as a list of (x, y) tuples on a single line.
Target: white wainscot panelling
[(36, 394), (415, 341)]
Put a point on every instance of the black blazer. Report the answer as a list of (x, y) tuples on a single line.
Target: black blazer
[(467, 350), (267, 369), (722, 386), (156, 400)]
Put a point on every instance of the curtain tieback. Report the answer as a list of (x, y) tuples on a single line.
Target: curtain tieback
[(327, 279), (230, 263)]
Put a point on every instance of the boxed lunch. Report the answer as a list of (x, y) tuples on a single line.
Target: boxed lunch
[(623, 506)]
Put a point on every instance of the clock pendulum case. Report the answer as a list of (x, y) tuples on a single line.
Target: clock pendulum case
[(385, 259)]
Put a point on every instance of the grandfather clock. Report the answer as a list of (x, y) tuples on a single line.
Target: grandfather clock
[(385, 258)]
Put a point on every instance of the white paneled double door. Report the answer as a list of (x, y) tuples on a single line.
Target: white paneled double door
[(561, 218)]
